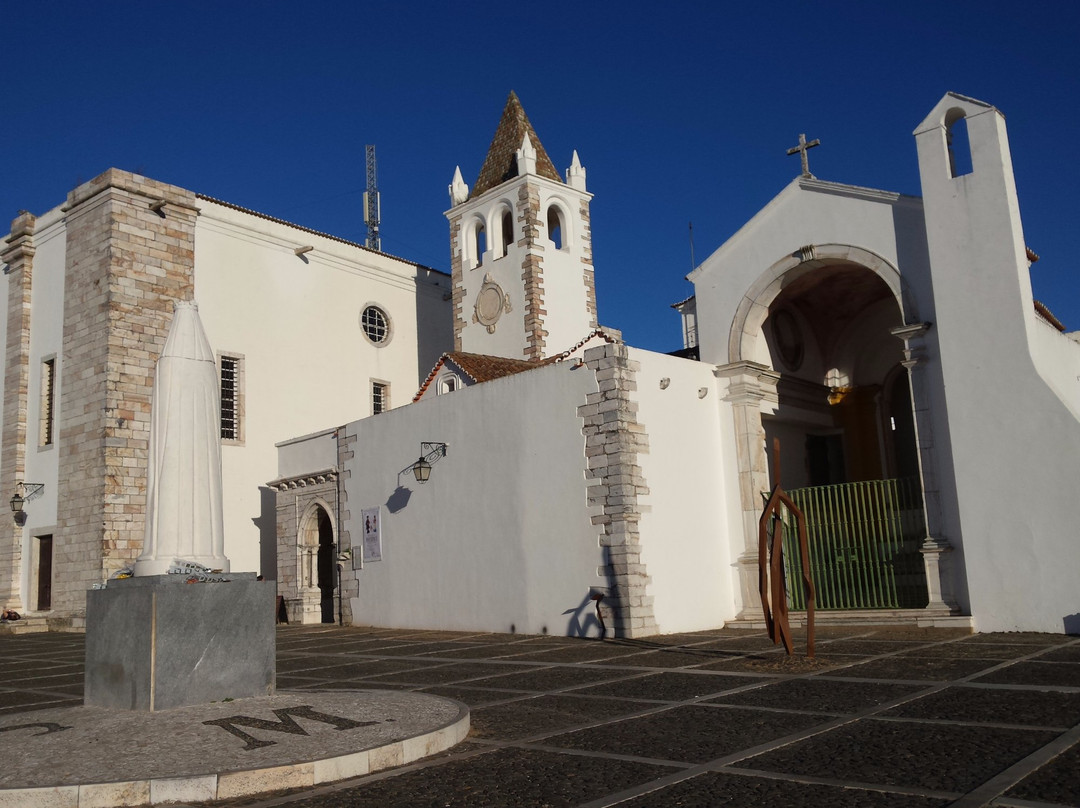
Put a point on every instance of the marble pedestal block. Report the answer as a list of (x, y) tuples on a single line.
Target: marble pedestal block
[(156, 642)]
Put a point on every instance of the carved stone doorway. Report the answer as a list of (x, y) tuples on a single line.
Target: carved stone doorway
[(327, 573)]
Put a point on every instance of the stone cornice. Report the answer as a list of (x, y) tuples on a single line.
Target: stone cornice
[(303, 480)]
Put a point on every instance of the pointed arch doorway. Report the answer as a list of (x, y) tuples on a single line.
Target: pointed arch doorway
[(317, 550), (819, 368)]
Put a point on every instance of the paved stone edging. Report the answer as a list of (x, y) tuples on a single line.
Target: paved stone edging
[(85, 757)]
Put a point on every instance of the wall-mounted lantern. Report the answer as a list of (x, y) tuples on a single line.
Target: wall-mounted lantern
[(430, 453), (23, 492)]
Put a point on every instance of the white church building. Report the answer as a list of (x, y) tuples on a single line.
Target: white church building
[(85, 308), (927, 409), (882, 340)]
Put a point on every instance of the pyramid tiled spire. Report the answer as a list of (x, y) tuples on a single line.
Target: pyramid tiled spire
[(501, 161)]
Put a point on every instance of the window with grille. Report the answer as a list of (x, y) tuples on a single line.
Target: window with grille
[(231, 409), (375, 324), (380, 397), (48, 401)]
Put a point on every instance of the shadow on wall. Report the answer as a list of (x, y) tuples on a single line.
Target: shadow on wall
[(266, 522), (399, 499), (581, 620), (1072, 623)]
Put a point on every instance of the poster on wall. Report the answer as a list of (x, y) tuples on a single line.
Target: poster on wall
[(372, 534)]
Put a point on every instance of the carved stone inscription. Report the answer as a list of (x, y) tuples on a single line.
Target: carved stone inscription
[(285, 723)]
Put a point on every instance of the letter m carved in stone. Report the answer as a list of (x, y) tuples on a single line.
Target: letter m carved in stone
[(285, 723)]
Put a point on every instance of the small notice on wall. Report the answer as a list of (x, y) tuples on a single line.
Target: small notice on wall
[(372, 534)]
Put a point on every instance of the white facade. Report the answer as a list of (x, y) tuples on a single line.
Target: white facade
[(282, 303), (505, 535), (295, 322), (886, 341)]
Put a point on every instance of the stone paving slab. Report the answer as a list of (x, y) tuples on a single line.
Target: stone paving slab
[(690, 734), (555, 678), (541, 715), (933, 756), (914, 668), (475, 696), (1058, 782), (524, 778), (722, 789), (882, 717), (673, 686), (991, 705), (218, 750), (829, 695), (1063, 674)]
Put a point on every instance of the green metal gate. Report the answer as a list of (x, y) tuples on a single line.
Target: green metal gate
[(864, 543)]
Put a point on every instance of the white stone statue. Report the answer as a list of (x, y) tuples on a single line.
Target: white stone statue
[(183, 485)]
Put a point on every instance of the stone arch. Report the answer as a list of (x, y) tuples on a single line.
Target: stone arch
[(502, 225), (754, 307), (829, 429), (316, 548), (557, 211), (474, 241)]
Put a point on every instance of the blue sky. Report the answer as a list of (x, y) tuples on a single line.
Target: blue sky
[(680, 113)]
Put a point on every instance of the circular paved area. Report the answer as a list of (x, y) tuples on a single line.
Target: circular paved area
[(900, 717), (94, 756)]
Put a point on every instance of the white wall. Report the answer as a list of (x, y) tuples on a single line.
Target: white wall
[(882, 224), (500, 538), (296, 322), (305, 455), (46, 338), (1015, 440), (1057, 359), (689, 532), (565, 298)]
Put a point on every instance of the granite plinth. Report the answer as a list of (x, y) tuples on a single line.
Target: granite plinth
[(156, 642)]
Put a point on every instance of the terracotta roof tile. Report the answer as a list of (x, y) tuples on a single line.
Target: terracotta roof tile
[(501, 161), (479, 368), (483, 368), (1048, 315)]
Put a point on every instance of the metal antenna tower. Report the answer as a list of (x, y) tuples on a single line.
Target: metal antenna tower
[(371, 202)]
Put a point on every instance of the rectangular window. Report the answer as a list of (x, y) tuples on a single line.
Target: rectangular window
[(48, 400), (232, 397), (380, 397)]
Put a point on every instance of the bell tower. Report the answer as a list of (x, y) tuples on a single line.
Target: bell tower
[(521, 249)]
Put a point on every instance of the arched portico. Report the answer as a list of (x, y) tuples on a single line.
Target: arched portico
[(814, 361)]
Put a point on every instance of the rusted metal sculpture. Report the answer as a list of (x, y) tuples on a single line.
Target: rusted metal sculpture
[(771, 564)]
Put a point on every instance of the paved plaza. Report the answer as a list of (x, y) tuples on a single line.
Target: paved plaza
[(882, 717)]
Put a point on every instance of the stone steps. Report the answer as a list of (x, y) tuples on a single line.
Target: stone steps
[(922, 618), (34, 623)]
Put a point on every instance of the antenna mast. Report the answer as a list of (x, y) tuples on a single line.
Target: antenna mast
[(371, 202)]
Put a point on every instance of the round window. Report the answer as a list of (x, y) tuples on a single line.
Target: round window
[(376, 325)]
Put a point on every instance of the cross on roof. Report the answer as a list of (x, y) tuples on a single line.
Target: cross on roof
[(801, 149)]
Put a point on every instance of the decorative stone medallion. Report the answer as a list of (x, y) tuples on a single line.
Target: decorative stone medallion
[(490, 304), (788, 339)]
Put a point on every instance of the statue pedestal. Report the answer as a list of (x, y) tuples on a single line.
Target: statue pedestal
[(157, 642)]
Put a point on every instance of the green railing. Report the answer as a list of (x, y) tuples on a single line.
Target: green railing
[(864, 543)]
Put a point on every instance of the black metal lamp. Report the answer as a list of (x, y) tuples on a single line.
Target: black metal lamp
[(23, 492), (18, 500), (429, 454)]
